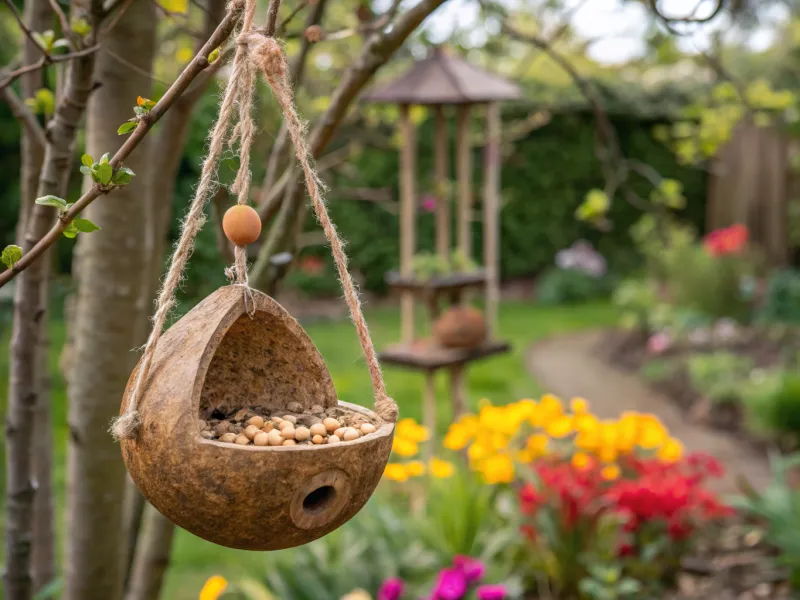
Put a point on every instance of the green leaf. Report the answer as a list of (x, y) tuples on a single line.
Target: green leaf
[(105, 158), (53, 201), (85, 225), (71, 231), (127, 127), (148, 105), (104, 173), (87, 160), (62, 43), (11, 255), (123, 176), (213, 55), (80, 26), (86, 170)]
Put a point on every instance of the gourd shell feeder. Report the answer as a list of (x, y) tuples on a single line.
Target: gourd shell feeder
[(247, 497)]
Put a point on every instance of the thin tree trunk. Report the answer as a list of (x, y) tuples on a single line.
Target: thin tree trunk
[(29, 314), (37, 16), (152, 556), (150, 541), (108, 312)]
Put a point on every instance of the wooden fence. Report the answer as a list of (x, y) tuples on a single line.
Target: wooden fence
[(752, 183)]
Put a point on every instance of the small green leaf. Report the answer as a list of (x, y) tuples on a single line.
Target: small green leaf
[(85, 225), (86, 170), (139, 111), (148, 105), (11, 255), (104, 173), (213, 55), (71, 231), (105, 158), (45, 102), (123, 176), (62, 43), (80, 26), (126, 127), (87, 160), (53, 201)]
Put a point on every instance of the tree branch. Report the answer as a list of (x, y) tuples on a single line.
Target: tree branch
[(25, 29), (192, 70), (24, 114), (378, 49), (47, 59)]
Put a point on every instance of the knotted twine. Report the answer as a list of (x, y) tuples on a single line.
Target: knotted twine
[(255, 50)]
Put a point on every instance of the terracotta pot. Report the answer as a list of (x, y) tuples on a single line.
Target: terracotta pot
[(460, 327)]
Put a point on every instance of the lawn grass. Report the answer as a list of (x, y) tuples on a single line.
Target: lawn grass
[(500, 379)]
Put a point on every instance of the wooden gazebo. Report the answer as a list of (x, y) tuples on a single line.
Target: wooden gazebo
[(439, 81)]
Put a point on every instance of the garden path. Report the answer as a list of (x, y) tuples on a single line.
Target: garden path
[(568, 366)]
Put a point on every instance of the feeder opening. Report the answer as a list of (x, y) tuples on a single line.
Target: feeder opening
[(319, 500), (263, 361)]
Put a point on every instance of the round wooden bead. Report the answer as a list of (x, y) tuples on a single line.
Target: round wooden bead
[(241, 225)]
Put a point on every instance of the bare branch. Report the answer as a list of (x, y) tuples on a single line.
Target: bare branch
[(295, 11), (272, 16), (25, 29), (44, 61), (192, 70), (689, 19), (65, 28)]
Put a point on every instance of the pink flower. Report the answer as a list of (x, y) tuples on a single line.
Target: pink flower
[(658, 343), (471, 568), (451, 585), (391, 589), (491, 592), (429, 203)]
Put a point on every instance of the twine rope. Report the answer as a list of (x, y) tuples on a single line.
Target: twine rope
[(254, 50)]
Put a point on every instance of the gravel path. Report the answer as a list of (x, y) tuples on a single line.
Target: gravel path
[(568, 366)]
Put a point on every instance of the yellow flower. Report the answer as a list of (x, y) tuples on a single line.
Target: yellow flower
[(477, 452), (499, 441), (537, 444), (213, 588), (610, 472), (415, 468), (457, 437), (525, 456), (404, 446), (585, 422), (498, 468), (357, 594), (579, 406), (497, 418), (607, 454), (410, 430), (469, 423), (551, 405), (441, 469), (581, 460), (395, 472), (671, 451), (652, 434), (627, 432), (560, 427)]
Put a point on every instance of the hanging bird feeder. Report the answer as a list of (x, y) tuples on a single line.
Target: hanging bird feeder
[(239, 348)]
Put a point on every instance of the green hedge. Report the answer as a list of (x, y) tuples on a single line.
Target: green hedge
[(543, 182)]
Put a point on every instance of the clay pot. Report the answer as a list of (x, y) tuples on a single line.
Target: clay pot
[(460, 327), (248, 497)]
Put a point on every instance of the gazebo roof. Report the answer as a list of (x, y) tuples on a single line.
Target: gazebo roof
[(443, 78)]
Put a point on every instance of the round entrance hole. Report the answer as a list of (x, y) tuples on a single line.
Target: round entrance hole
[(320, 499)]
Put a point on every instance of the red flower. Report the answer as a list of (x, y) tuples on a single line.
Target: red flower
[(730, 240)]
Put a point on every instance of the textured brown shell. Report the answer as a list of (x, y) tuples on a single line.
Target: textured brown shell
[(460, 327), (248, 497)]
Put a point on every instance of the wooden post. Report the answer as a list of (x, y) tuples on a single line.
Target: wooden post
[(464, 158), (407, 219), (442, 185), (457, 391), (429, 412), (491, 215)]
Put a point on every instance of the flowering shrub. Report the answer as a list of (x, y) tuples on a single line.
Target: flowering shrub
[(407, 438)]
